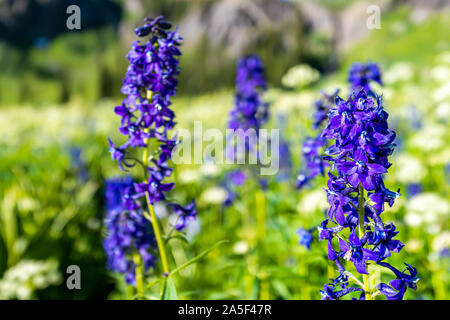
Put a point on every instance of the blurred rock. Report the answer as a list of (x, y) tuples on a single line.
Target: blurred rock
[(422, 9), (351, 24), (318, 18), (237, 25)]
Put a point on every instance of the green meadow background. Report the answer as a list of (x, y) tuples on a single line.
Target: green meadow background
[(56, 112)]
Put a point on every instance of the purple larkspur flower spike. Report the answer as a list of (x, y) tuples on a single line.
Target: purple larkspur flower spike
[(360, 143), (149, 84), (128, 230)]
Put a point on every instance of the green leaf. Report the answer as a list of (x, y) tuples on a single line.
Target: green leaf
[(151, 284), (281, 289), (169, 292), (178, 237), (195, 259)]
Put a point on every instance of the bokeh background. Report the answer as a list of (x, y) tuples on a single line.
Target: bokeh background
[(58, 88)]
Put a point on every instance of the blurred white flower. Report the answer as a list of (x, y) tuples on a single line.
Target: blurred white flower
[(400, 71), (442, 92), (210, 169), (430, 137), (312, 202), (240, 247), (443, 111), (441, 242), (300, 76), (214, 195), (409, 169), (440, 73), (414, 245), (189, 176), (413, 219), (288, 101), (444, 57), (21, 280), (426, 208)]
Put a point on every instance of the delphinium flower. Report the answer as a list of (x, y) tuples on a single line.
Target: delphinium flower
[(361, 74), (322, 106), (146, 120), (314, 164), (249, 114), (128, 231), (313, 146), (284, 154), (250, 110), (305, 237), (285, 160), (78, 164), (358, 157), (414, 188), (231, 181)]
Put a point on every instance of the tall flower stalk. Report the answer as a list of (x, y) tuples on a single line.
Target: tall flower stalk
[(250, 111), (354, 230), (249, 114), (146, 119)]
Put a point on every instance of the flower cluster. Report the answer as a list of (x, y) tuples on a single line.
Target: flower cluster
[(305, 237), (232, 180), (250, 111), (360, 76), (149, 83), (128, 231), (358, 157), (312, 146), (314, 164)]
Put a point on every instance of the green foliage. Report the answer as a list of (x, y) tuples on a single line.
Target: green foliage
[(49, 211)]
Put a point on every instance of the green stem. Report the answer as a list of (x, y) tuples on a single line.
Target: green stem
[(361, 211), (246, 235), (361, 233), (139, 274), (260, 208), (158, 236), (152, 218), (260, 204)]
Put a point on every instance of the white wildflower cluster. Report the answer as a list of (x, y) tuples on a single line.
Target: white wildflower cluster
[(427, 210), (313, 202), (300, 76), (21, 280), (400, 71)]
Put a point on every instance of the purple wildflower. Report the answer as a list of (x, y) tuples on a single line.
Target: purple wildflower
[(250, 111), (128, 231), (149, 84), (232, 180), (306, 237), (314, 163), (184, 214), (413, 189), (361, 74), (312, 146), (361, 142), (398, 286)]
